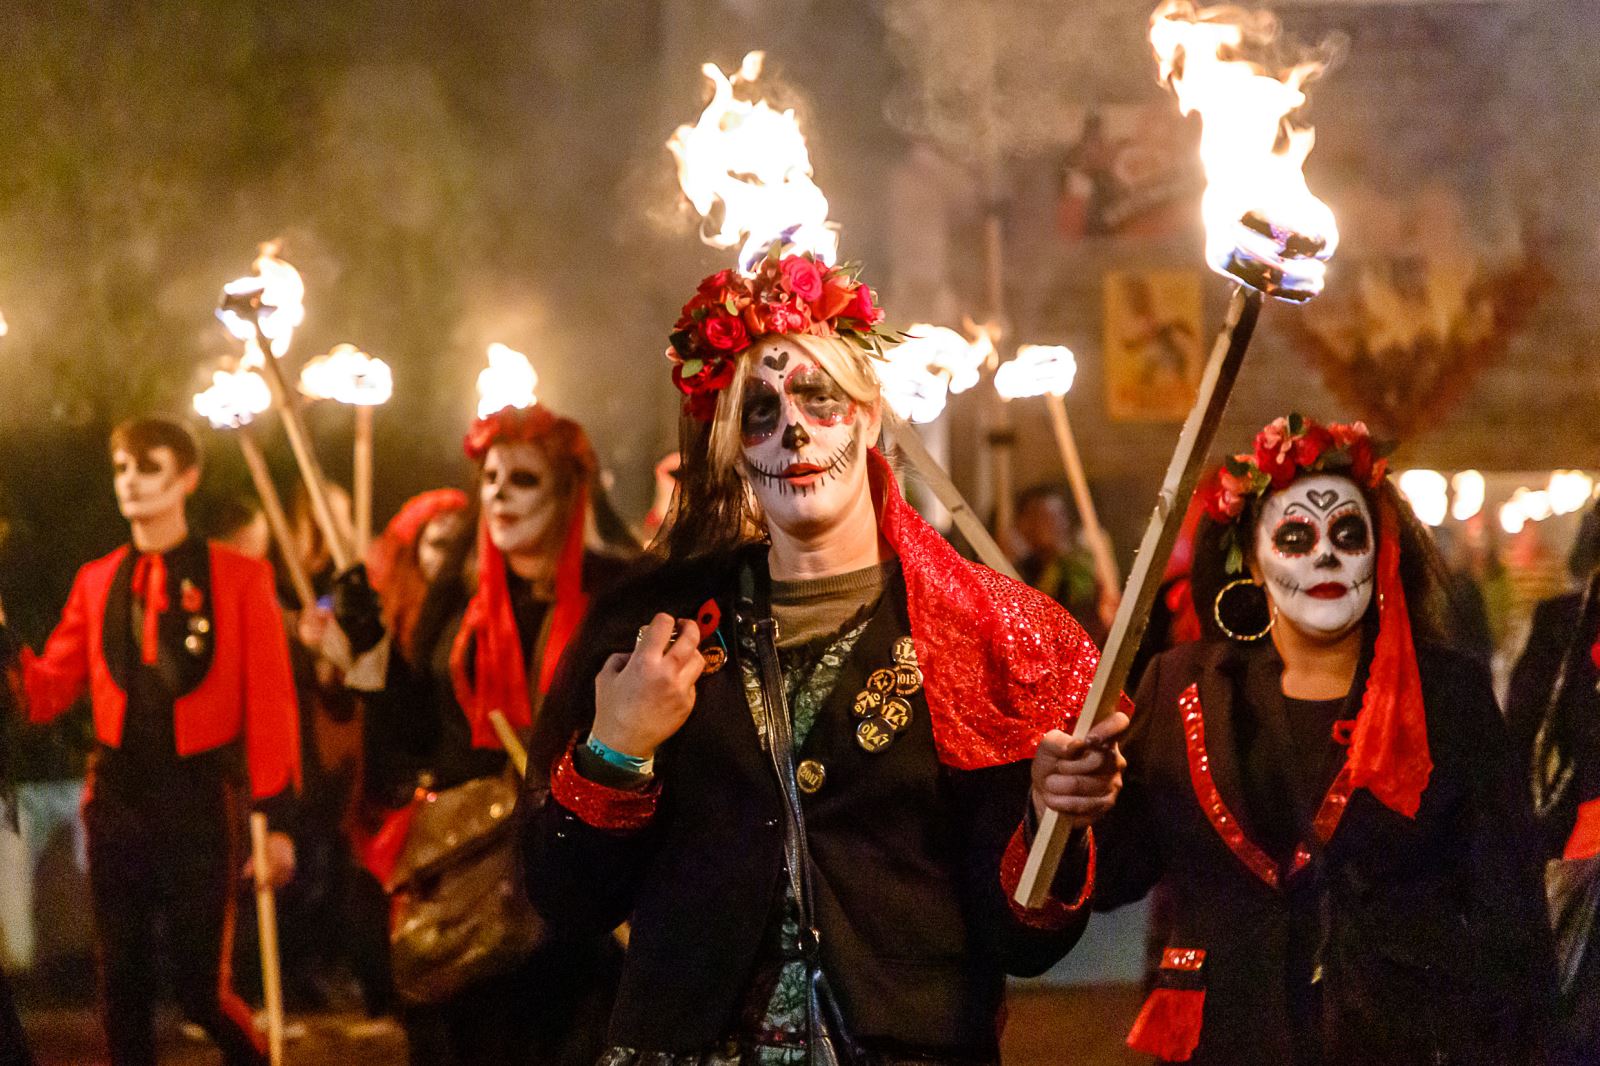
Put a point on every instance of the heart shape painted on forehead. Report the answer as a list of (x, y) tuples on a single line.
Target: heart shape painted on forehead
[(778, 363), (1323, 499)]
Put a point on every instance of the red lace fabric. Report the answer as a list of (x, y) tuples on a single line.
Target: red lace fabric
[(1052, 913), (1002, 664), (616, 809), (1389, 745)]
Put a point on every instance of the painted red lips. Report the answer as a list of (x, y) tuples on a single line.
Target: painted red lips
[(1328, 590)]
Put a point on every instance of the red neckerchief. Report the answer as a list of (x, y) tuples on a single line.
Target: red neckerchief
[(1002, 664), (150, 586), (1389, 745), (499, 678)]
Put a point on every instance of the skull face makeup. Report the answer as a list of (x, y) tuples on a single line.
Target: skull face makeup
[(150, 486), (804, 438), (1314, 548), (519, 498)]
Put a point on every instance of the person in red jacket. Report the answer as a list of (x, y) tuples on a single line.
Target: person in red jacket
[(181, 649)]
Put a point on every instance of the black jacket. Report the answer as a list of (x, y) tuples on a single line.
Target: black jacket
[(916, 931), (1410, 940)]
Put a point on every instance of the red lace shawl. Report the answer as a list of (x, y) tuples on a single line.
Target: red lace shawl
[(1002, 664)]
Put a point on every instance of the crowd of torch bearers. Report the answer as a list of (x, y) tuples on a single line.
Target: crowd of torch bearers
[(744, 166)]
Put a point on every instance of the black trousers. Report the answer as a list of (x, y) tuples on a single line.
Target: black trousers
[(549, 1011), (13, 1043), (170, 852)]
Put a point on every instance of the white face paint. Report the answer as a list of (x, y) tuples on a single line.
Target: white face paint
[(434, 543), (1314, 548), (150, 486), (805, 440), (519, 498)]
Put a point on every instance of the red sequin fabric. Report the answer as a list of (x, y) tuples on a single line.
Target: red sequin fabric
[(1222, 819), (1052, 913), (616, 809), (1002, 664)]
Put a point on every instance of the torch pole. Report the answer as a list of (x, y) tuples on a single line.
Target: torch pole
[(1105, 560), (310, 469), (510, 741), (267, 926), (361, 475), (272, 507), (1194, 444), (916, 452)]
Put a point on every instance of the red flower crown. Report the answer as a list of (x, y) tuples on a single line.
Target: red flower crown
[(564, 438), (787, 294), (1284, 449)]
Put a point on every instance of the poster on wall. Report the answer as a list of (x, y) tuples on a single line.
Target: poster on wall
[(1154, 350)]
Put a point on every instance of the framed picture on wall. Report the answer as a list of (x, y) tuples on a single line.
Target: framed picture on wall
[(1154, 351)]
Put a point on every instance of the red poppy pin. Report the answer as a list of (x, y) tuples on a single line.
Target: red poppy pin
[(190, 598)]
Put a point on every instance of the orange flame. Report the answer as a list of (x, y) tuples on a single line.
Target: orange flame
[(745, 167), (508, 381), (234, 399), (1263, 225), (933, 361), (1036, 370), (349, 375), (269, 303)]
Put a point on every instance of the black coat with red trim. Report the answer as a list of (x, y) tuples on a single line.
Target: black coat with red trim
[(917, 931), (1399, 941)]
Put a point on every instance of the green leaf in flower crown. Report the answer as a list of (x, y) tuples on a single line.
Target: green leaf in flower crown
[(691, 367), (1297, 423), (1235, 563), (729, 306), (1238, 467)]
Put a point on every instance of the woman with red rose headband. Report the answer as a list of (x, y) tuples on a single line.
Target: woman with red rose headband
[(1326, 790), (495, 618), (798, 754)]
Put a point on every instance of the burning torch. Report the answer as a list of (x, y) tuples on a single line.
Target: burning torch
[(745, 167), (508, 381), (352, 377), (263, 310), (1267, 233), (1049, 370), (233, 401)]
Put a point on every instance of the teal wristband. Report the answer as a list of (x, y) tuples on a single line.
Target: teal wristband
[(616, 758)]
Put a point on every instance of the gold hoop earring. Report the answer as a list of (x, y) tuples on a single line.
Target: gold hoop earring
[(1216, 612)]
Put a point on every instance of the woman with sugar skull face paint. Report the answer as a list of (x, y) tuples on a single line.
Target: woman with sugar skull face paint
[(498, 612), (1326, 790), (798, 753)]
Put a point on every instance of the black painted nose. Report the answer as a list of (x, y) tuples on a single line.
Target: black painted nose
[(1327, 561), (795, 437)]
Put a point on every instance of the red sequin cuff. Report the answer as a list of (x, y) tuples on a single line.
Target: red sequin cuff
[(615, 809), (1052, 914)]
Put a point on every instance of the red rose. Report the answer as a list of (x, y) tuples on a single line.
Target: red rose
[(1309, 446), (712, 287), (787, 318), (1272, 447), (802, 277), (862, 308), (725, 332), (1222, 495), (836, 296)]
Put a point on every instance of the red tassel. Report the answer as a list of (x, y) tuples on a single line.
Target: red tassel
[(1169, 1025)]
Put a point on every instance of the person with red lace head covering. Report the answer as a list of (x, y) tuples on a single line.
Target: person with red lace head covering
[(410, 553), (503, 604), (803, 753), (1324, 789)]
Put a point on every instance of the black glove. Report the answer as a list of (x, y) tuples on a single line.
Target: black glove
[(357, 609)]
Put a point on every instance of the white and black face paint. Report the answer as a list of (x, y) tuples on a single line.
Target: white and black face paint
[(519, 498), (803, 438), (1314, 547), (148, 486)]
